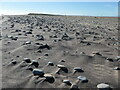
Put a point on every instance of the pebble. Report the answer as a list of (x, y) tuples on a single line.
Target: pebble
[(118, 57), (78, 69), (28, 42), (27, 60), (38, 72), (82, 79), (51, 63), (74, 87), (67, 81), (44, 46), (63, 68), (110, 59), (50, 78), (14, 62), (35, 63), (116, 68), (62, 60), (103, 86)]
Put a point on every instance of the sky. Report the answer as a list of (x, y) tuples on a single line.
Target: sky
[(62, 8)]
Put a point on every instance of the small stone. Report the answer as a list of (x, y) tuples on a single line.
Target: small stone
[(38, 72), (97, 53), (67, 81), (29, 68), (103, 86), (44, 46), (62, 60), (78, 69), (83, 79), (74, 87), (35, 63), (63, 68), (118, 57), (28, 42), (82, 52), (39, 51), (88, 43), (46, 54), (40, 37), (49, 78), (116, 68), (110, 59), (14, 62), (27, 60), (51, 63)]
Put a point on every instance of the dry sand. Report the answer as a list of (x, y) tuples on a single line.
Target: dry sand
[(73, 41)]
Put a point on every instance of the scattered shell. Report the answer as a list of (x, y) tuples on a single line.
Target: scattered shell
[(103, 86), (38, 72), (82, 79)]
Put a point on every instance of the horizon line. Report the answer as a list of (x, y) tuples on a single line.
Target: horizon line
[(58, 15)]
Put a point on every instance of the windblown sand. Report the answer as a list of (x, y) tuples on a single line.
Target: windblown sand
[(74, 41)]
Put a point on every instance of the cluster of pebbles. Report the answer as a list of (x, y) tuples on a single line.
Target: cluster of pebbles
[(38, 42)]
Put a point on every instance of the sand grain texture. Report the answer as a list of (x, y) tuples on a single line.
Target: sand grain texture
[(72, 41)]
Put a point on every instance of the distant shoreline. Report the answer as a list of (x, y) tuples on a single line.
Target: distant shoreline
[(63, 15)]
